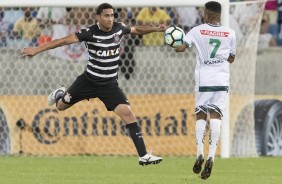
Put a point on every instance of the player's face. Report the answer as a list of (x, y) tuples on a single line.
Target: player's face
[(106, 19)]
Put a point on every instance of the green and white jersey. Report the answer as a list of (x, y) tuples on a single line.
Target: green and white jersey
[(214, 44)]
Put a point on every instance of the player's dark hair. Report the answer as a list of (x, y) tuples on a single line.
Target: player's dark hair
[(103, 6), (213, 6)]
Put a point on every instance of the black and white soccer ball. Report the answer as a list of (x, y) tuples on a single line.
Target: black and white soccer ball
[(174, 36)]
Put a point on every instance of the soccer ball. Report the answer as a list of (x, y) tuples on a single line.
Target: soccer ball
[(174, 36)]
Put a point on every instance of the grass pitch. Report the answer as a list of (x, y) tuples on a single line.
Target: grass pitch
[(125, 170)]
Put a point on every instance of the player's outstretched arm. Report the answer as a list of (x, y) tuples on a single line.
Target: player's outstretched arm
[(141, 30), (32, 51)]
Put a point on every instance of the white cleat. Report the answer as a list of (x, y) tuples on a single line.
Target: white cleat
[(51, 97), (149, 159)]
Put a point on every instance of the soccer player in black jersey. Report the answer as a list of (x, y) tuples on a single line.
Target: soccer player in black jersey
[(99, 79)]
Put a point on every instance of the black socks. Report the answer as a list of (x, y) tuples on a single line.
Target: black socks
[(136, 136)]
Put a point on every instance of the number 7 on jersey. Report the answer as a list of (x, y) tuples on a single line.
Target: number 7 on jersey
[(216, 43)]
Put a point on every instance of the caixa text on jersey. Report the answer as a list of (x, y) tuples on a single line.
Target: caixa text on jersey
[(49, 127)]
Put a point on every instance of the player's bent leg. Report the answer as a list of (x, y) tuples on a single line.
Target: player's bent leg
[(125, 113)]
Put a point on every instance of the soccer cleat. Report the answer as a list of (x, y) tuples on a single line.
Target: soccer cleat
[(207, 170), (52, 96), (149, 159), (198, 164)]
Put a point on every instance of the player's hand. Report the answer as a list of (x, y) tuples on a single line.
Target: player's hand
[(29, 51), (181, 48), (162, 27)]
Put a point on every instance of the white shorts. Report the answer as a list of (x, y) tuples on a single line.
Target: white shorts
[(204, 101)]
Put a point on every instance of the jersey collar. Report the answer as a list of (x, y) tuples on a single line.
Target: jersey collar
[(213, 25)]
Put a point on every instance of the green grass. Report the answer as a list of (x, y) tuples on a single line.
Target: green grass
[(125, 170)]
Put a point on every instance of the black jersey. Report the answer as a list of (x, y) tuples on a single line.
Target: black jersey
[(103, 49)]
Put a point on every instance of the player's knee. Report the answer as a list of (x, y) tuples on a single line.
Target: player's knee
[(124, 111)]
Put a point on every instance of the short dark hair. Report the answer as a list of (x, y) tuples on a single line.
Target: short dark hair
[(213, 6), (103, 6)]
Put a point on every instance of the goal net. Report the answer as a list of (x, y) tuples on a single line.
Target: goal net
[(245, 19), (158, 82)]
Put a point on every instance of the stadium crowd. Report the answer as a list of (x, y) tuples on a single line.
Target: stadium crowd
[(35, 26)]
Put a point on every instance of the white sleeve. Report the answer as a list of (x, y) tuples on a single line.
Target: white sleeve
[(189, 38)]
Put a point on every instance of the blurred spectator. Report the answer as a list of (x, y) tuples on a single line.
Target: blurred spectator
[(51, 15), (153, 16), (9, 18), (171, 11), (129, 42), (71, 21), (270, 12), (188, 17), (89, 16), (27, 28), (244, 20), (11, 15), (81, 16), (121, 15), (279, 21), (51, 20), (201, 15), (265, 38), (132, 13), (4, 31)]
